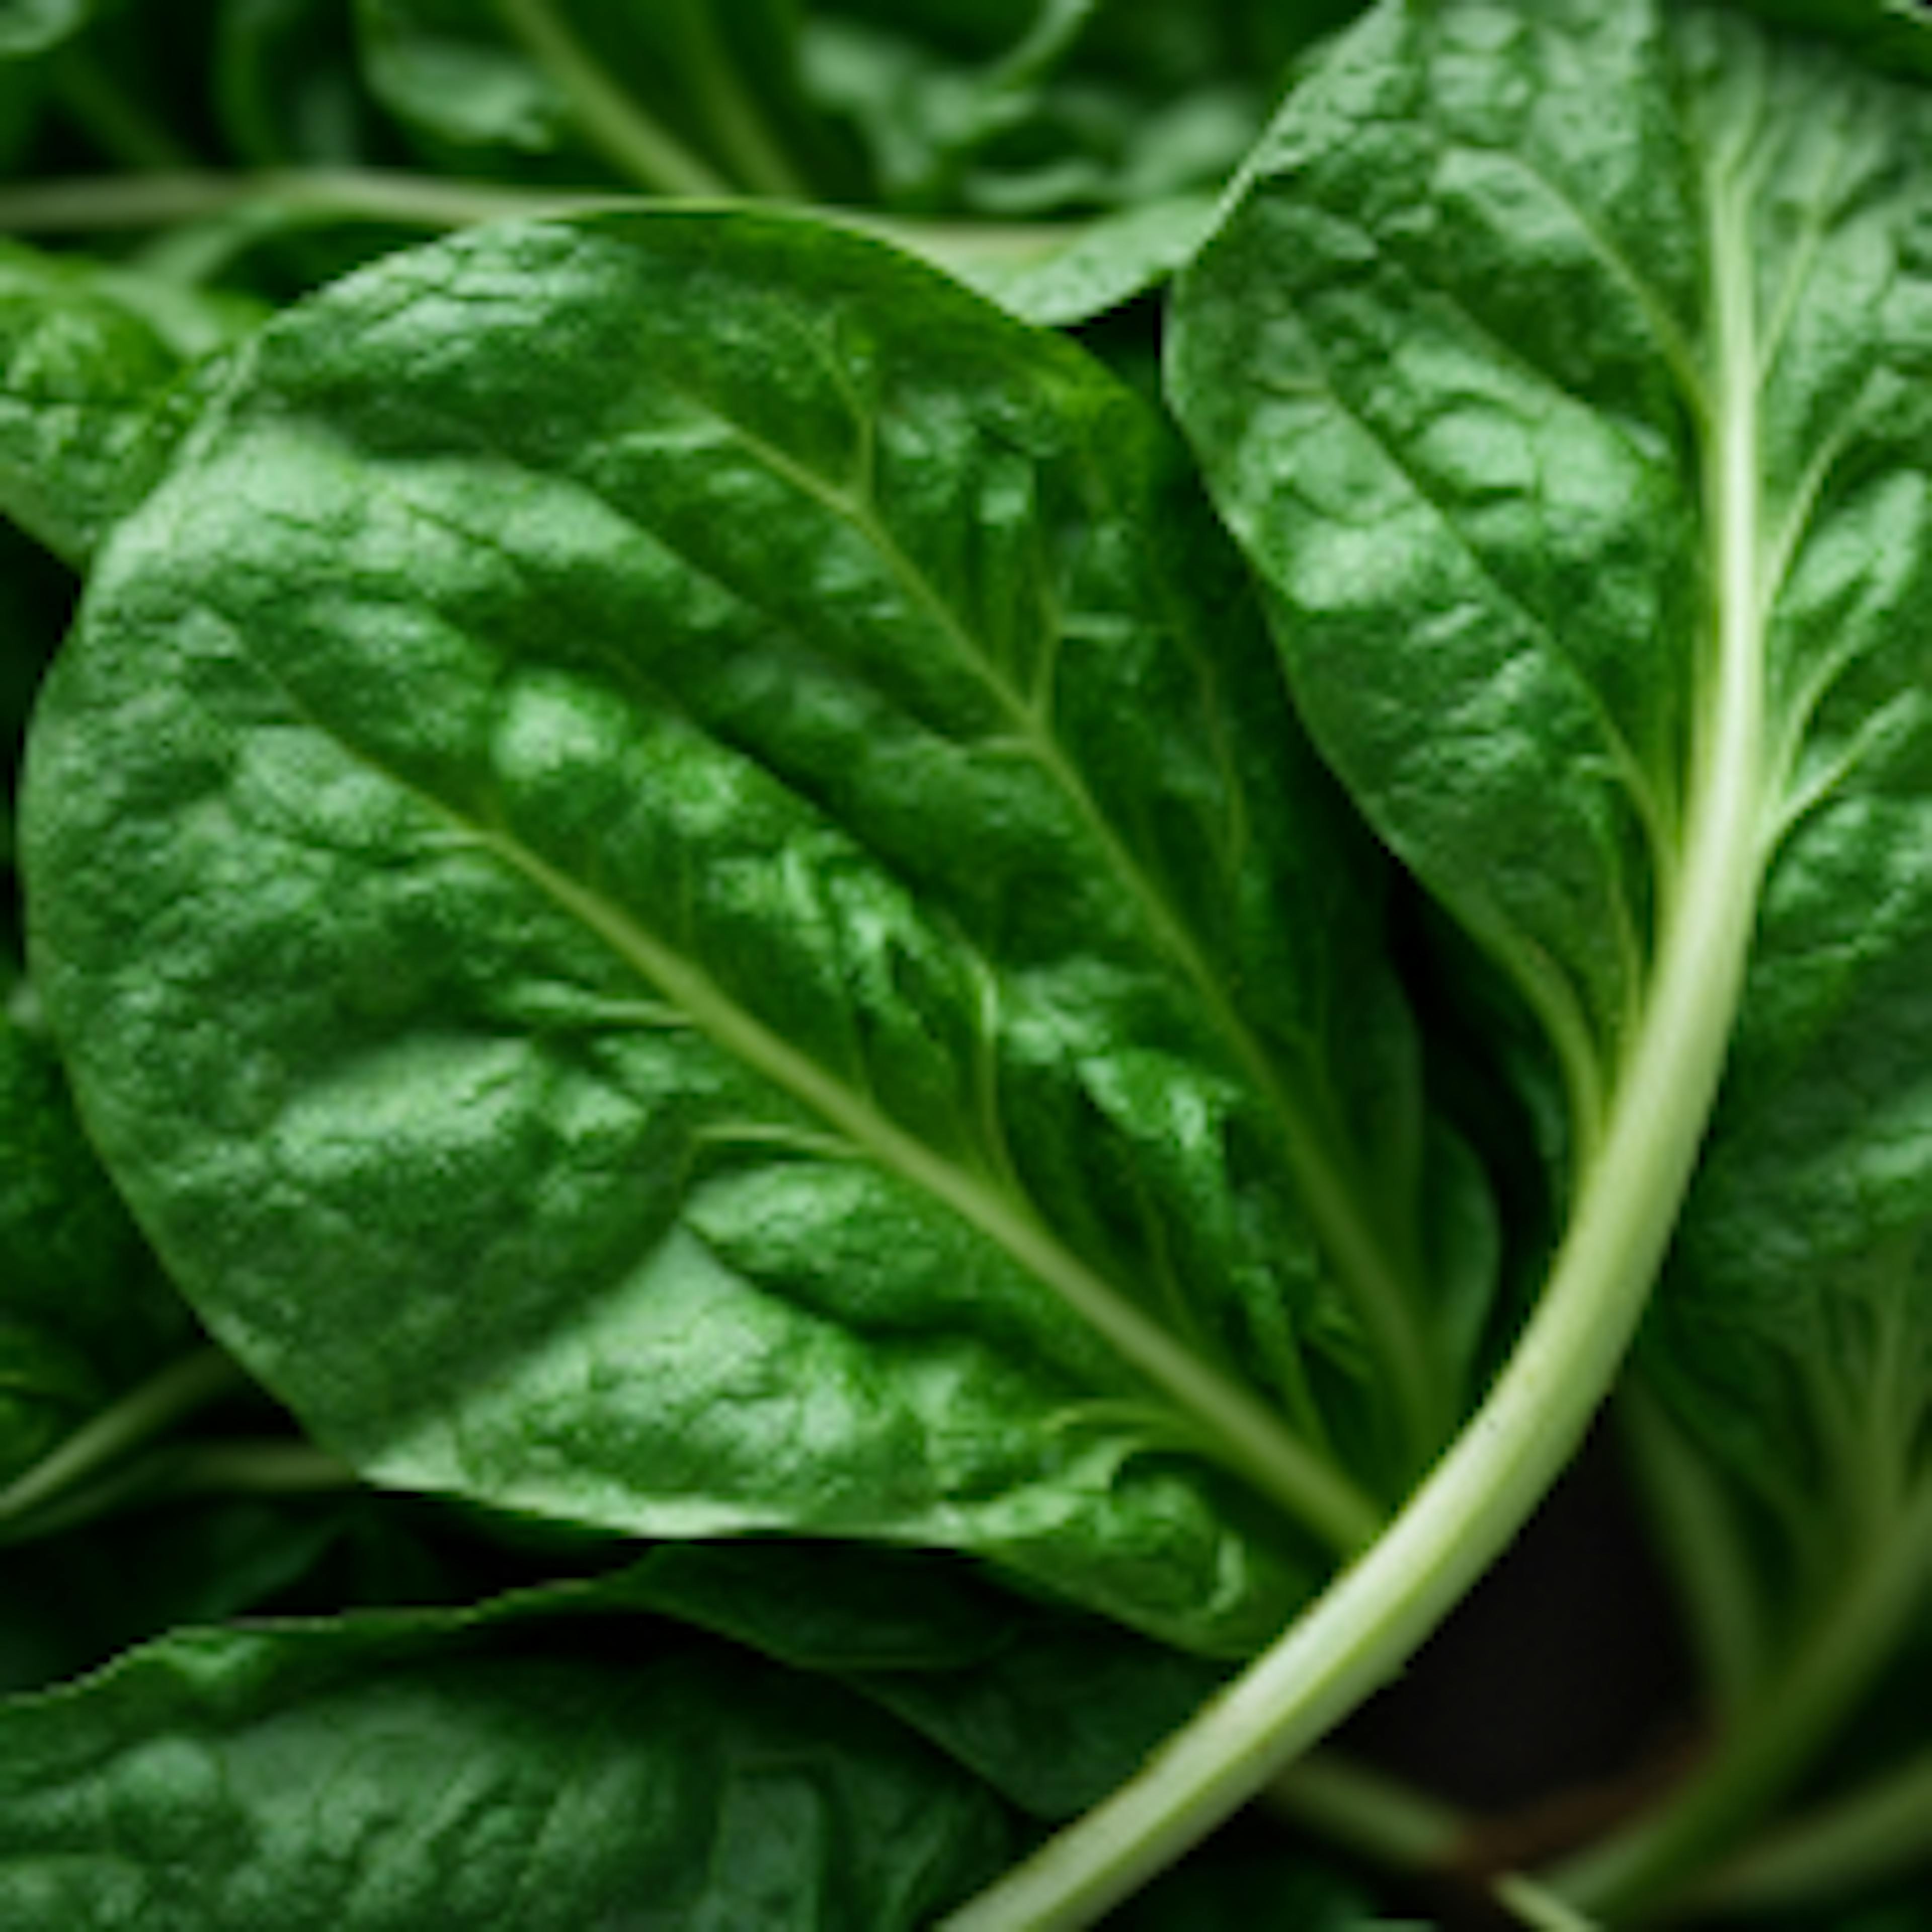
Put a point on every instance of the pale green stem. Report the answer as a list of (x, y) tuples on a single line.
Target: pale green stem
[(88, 204), (176, 1393), (764, 166), (133, 1479), (1774, 1737), (273, 1467), (1696, 1524), (1871, 1835), (630, 139), (1540, 1909), (1358, 1809), (1388, 1822), (1376, 1613)]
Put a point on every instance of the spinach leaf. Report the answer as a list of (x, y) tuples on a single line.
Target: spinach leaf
[(1057, 105), (31, 27), (101, 369), (1101, 266), (407, 1774), (728, 866), (1668, 567), (1051, 1709), (85, 1312), (1564, 370)]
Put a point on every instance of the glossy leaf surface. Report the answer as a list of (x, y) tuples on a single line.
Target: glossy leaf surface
[(1564, 368), (733, 874), (398, 1775)]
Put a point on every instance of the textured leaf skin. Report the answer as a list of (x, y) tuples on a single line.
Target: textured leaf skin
[(565, 603), (1458, 364), (84, 1311), (1797, 1324), (94, 388), (394, 1775), (1433, 405)]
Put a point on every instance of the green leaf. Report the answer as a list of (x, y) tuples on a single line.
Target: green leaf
[(1564, 368), (1695, 524), (100, 372), (1380, 407), (727, 868), (1053, 1710), (85, 1312), (448, 68), (1101, 266), (1895, 35), (413, 1773), (30, 27), (1037, 108), (286, 86)]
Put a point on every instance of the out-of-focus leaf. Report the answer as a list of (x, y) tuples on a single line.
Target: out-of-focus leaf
[(30, 27), (286, 84), (101, 371)]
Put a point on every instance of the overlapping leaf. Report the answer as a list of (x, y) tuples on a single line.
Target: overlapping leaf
[(84, 1311), (97, 383), (414, 1773), (1565, 368), (726, 868)]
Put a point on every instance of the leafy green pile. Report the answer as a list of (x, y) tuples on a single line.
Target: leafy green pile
[(864, 977)]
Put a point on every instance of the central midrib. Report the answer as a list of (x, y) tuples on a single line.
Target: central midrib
[(1376, 1283), (1247, 1434), (1251, 1437), (1379, 1611)]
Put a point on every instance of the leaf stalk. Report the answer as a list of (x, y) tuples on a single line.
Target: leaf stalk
[(1375, 1615)]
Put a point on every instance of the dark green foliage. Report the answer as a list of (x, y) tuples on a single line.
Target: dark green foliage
[(792, 1072)]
